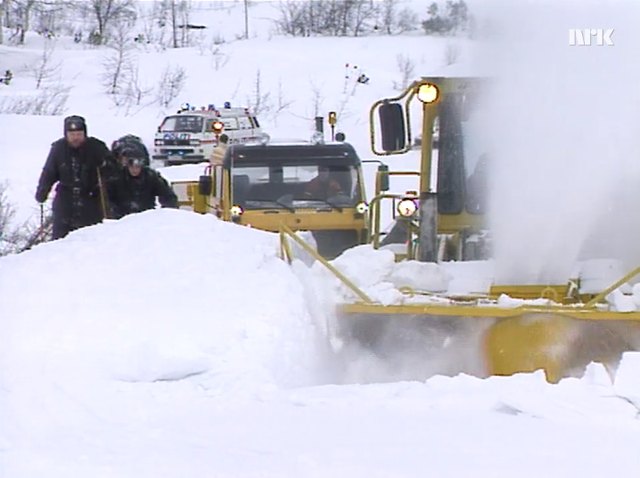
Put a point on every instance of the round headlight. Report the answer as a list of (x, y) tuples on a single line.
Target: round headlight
[(236, 211), (428, 93), (362, 207), (407, 207)]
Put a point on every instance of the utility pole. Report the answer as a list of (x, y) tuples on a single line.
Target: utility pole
[(246, 19)]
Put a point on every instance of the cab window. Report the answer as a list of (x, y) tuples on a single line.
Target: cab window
[(182, 124), (295, 185)]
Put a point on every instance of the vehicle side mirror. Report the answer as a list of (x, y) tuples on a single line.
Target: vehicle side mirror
[(383, 177), (158, 129), (392, 127), (205, 185)]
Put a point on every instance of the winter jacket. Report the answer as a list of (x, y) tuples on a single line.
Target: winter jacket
[(76, 171), (318, 188), (130, 194)]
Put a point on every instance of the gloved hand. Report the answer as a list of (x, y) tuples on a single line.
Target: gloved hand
[(40, 197)]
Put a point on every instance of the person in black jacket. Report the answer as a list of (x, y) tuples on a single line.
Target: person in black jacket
[(137, 187), (81, 166)]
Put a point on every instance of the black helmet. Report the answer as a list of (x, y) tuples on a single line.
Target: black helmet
[(131, 142), (134, 158)]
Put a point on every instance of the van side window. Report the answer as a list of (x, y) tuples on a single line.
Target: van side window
[(244, 123), (230, 123)]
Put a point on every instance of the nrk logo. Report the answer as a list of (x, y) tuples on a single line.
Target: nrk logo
[(590, 36)]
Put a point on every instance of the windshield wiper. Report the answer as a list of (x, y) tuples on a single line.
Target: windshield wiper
[(333, 206), (277, 201), (285, 205)]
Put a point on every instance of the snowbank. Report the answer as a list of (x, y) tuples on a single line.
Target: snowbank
[(161, 295)]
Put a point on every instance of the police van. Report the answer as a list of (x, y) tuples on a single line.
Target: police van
[(190, 135)]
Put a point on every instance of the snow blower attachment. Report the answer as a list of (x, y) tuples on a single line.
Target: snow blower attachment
[(558, 327)]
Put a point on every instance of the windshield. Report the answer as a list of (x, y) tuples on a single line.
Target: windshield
[(182, 124), (461, 154), (290, 186)]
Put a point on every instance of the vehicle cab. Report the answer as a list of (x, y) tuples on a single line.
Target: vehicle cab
[(190, 135), (304, 186)]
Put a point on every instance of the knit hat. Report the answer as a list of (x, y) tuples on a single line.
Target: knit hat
[(75, 123)]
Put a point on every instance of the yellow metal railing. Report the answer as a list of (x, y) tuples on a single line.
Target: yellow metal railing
[(470, 305), (286, 253), (612, 287)]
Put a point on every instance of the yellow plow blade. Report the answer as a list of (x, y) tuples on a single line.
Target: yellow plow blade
[(561, 340), (529, 343)]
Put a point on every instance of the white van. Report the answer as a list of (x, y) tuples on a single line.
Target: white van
[(190, 135)]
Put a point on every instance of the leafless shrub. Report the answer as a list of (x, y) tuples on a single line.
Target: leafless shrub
[(19, 237), (283, 103), (406, 68), (220, 58), (327, 17), (120, 76), (170, 85), (45, 70), (260, 102), (316, 99), (50, 101), (118, 65), (135, 93)]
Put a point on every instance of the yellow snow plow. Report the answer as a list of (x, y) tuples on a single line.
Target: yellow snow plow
[(557, 327), (315, 187)]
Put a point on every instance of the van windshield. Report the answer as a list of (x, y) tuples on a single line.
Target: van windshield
[(295, 185), (182, 124)]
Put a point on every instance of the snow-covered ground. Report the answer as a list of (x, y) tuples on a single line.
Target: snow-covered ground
[(170, 344), (121, 359)]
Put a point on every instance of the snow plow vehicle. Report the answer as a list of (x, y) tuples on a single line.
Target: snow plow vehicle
[(559, 327), (302, 186), (190, 135)]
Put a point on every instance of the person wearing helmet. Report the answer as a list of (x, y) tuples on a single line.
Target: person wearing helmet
[(129, 141), (137, 187), (80, 166)]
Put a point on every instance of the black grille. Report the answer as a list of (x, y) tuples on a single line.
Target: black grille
[(176, 142)]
